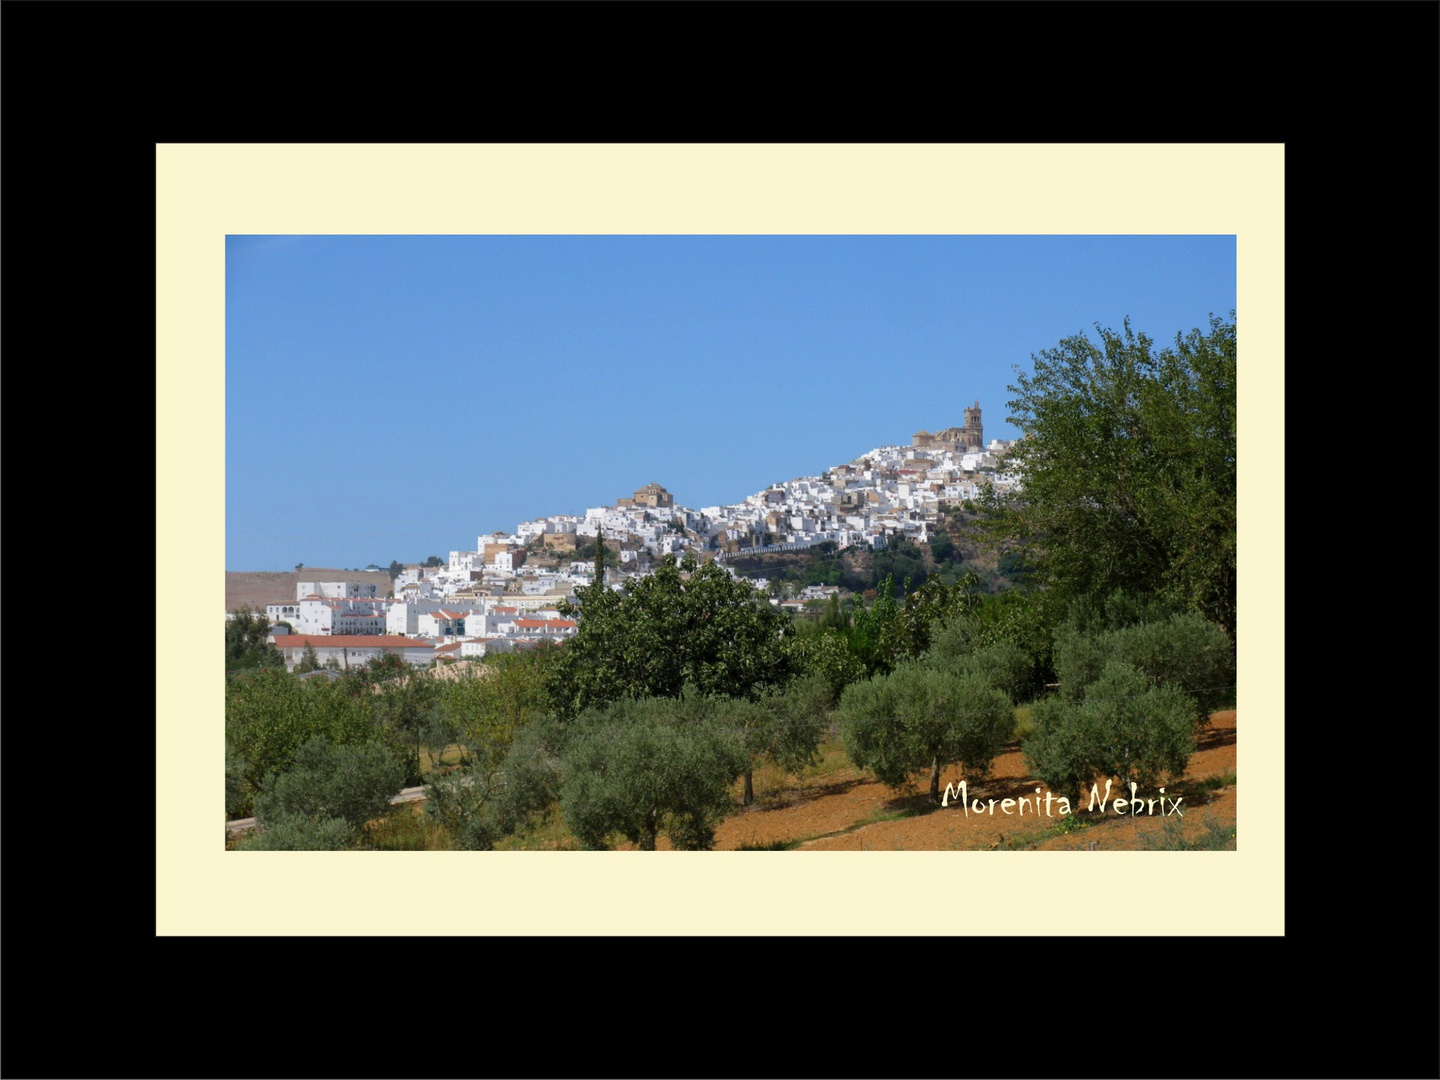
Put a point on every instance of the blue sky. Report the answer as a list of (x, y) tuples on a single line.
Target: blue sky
[(391, 397)]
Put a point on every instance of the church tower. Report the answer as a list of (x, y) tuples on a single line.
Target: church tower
[(974, 432)]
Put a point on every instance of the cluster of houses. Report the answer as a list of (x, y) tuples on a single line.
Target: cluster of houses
[(504, 595)]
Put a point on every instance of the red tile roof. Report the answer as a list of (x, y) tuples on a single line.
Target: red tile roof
[(354, 641)]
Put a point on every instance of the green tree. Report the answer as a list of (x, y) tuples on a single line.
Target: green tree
[(351, 783), (308, 661), (270, 714), (245, 644), (1185, 651), (919, 716), (1124, 727), (640, 768), (489, 703), (785, 726), (686, 622), (1128, 467)]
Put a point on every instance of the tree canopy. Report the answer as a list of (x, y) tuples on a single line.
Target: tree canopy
[(245, 644), (684, 623), (1128, 468)]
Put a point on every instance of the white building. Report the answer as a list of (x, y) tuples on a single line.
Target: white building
[(338, 590)]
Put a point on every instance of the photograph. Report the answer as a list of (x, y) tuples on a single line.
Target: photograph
[(554, 530), (756, 543)]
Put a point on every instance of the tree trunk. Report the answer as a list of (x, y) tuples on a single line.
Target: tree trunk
[(935, 780), (749, 795)]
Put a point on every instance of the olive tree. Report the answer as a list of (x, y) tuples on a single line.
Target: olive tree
[(1124, 726), (917, 716), (353, 784), (639, 768)]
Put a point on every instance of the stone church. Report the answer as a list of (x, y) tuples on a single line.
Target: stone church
[(959, 439)]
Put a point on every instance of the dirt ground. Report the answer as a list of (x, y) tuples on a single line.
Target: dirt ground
[(839, 811)]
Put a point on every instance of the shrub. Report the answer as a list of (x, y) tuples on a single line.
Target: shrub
[(291, 832)]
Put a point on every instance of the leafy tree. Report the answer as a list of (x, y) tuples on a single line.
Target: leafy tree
[(890, 633), (1124, 726), (918, 716), (437, 732), (403, 706), (784, 727), (828, 654), (488, 704), (683, 623), (1184, 651), (269, 715), (1004, 665), (245, 644), (308, 661), (1128, 467), (395, 570), (433, 560), (644, 767)]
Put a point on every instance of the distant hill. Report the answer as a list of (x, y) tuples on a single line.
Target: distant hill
[(260, 587)]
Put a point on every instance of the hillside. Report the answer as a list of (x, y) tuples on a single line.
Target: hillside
[(857, 568), (260, 587)]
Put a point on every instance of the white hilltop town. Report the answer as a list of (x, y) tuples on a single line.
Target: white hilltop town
[(505, 594)]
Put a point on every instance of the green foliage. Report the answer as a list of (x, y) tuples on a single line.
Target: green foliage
[(506, 784), (403, 703), (245, 644), (437, 732), (682, 623), (829, 655), (1124, 727), (642, 767), (1183, 651), (890, 633), (309, 660), (352, 783), (489, 703), (903, 561), (918, 716), (270, 714), (1014, 566), (942, 548), (1004, 666), (787, 725), (432, 561), (236, 797), (298, 833), (1129, 468), (463, 803)]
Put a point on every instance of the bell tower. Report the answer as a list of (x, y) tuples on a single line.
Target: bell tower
[(974, 432)]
